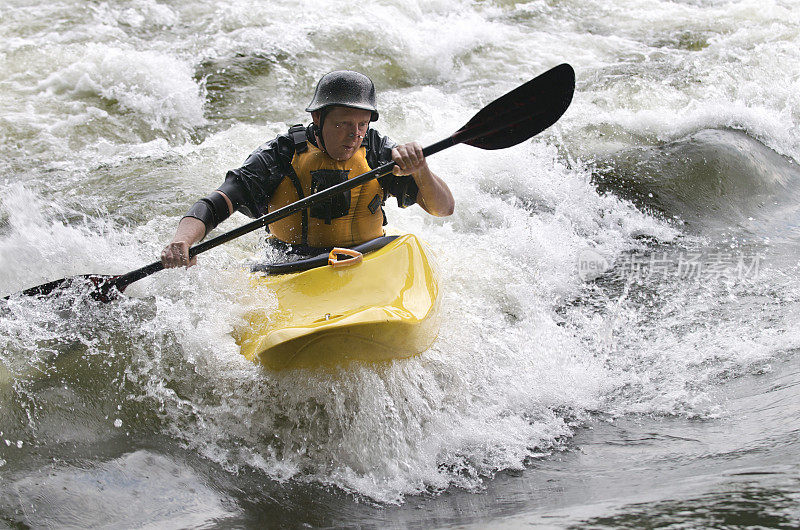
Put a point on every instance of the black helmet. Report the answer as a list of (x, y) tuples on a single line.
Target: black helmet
[(347, 89)]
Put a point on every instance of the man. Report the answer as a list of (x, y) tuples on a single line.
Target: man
[(338, 145)]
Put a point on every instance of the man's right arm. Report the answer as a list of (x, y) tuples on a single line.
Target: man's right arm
[(246, 189), (190, 231)]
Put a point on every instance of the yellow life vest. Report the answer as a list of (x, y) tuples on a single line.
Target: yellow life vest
[(333, 223)]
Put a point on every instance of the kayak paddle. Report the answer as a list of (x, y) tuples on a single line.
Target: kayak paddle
[(513, 118)]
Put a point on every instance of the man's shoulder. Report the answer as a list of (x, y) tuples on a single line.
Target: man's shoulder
[(277, 152), (374, 139), (281, 145), (379, 148)]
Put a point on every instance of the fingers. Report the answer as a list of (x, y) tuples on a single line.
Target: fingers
[(176, 254), (408, 157)]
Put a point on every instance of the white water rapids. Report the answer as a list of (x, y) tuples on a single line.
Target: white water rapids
[(682, 142)]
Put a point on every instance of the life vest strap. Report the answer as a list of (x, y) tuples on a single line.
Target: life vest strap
[(298, 187), (298, 135)]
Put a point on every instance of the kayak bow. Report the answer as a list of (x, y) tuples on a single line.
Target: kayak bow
[(382, 306)]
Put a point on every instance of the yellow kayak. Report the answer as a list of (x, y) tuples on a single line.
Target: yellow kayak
[(372, 307)]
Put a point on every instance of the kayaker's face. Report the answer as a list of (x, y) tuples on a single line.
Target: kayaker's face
[(343, 131)]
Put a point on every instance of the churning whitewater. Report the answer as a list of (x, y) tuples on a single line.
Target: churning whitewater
[(620, 296)]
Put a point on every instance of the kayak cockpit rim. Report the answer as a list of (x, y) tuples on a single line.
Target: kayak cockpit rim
[(318, 260)]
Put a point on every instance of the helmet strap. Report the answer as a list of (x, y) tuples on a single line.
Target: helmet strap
[(318, 130)]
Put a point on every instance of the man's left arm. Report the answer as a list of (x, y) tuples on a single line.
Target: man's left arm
[(434, 196)]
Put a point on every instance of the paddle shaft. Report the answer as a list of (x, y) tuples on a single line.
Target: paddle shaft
[(121, 282)]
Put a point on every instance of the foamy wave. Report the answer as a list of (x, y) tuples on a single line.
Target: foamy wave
[(157, 88), (137, 14), (40, 246)]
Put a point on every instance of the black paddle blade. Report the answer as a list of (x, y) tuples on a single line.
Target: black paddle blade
[(524, 112), (99, 287)]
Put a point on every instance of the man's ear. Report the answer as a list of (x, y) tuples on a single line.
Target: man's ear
[(315, 117)]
